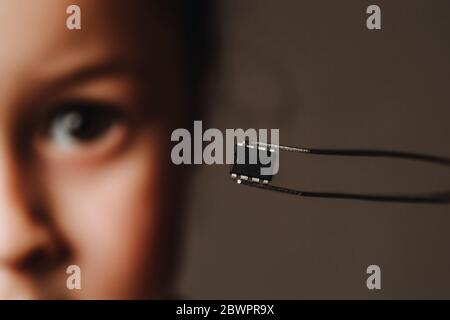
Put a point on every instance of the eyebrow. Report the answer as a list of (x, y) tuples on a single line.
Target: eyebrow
[(92, 71), (51, 84)]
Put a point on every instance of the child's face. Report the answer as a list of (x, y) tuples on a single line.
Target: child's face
[(83, 147)]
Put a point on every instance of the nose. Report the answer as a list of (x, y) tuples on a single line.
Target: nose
[(25, 240)]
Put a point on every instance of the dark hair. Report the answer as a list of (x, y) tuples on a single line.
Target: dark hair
[(197, 19), (195, 26)]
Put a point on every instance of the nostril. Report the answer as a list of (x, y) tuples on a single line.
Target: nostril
[(38, 260), (29, 241), (42, 260)]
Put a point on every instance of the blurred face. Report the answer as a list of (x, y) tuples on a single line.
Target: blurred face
[(83, 146)]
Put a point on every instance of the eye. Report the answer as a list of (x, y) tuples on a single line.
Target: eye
[(80, 122)]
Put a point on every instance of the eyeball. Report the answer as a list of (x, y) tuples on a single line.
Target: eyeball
[(76, 128)]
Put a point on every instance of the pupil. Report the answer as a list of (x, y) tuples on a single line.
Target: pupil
[(87, 125)]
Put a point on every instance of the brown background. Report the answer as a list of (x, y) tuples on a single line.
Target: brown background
[(312, 69)]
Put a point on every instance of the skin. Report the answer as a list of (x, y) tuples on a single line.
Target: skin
[(98, 203)]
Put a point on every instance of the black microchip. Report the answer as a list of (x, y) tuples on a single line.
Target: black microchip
[(248, 163)]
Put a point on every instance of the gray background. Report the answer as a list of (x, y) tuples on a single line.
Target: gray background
[(312, 69)]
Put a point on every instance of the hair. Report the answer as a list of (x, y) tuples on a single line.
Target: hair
[(195, 27), (194, 24), (197, 34)]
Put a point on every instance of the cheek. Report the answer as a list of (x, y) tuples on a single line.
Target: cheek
[(109, 216)]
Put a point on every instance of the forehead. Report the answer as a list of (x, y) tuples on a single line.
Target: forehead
[(36, 43), (35, 28)]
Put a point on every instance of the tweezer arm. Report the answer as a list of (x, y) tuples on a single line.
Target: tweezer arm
[(431, 198), (425, 198)]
